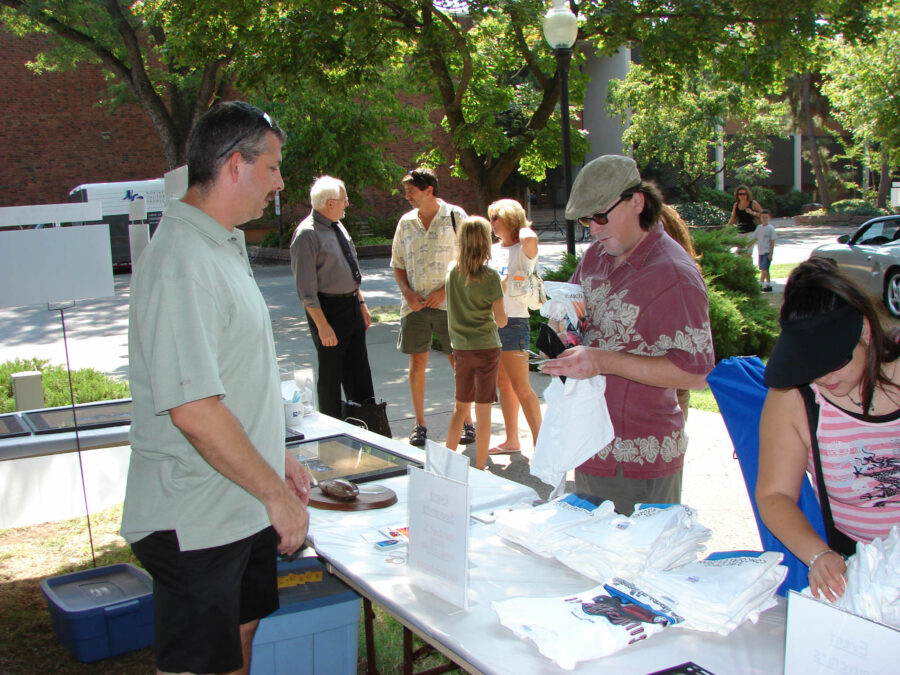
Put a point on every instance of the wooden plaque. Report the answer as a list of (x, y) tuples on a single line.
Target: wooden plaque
[(365, 500)]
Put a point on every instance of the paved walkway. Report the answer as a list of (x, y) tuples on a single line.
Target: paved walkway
[(97, 338)]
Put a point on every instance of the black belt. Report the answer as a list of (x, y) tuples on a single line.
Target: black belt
[(351, 294)]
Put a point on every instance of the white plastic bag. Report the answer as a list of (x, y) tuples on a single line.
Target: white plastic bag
[(565, 305), (576, 426)]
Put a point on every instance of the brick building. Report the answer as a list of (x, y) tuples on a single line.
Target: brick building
[(56, 137)]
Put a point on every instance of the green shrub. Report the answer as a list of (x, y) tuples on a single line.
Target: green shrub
[(565, 270), (371, 241), (742, 321), (790, 204), (726, 324), (765, 196), (272, 240), (724, 200), (731, 276), (88, 384), (857, 207), (702, 214)]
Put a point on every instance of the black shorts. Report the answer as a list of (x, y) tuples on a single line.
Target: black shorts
[(202, 597)]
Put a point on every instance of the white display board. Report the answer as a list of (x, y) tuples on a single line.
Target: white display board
[(41, 214), (438, 549), (824, 639), (59, 264)]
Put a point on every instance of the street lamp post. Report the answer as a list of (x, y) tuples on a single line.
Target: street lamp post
[(560, 32)]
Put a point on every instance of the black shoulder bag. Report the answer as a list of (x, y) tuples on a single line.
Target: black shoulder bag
[(837, 540)]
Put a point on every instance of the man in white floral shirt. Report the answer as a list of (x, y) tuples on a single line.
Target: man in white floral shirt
[(424, 246), (647, 329)]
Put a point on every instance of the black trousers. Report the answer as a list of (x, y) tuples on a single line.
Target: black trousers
[(346, 364)]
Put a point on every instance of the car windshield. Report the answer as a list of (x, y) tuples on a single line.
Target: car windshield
[(882, 232)]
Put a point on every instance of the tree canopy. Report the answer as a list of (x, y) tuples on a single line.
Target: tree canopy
[(345, 76), (678, 129), (862, 82)]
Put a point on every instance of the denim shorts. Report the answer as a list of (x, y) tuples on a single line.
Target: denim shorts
[(765, 260), (514, 336)]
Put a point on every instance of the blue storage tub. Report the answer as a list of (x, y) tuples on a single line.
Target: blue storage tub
[(101, 612), (314, 631)]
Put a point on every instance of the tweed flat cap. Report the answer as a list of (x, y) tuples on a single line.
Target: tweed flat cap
[(599, 183)]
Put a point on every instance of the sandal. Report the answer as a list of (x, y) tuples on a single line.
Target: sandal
[(468, 434), (503, 451), (418, 436)]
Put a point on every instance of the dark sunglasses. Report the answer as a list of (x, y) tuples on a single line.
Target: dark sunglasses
[(599, 218), (264, 117), (743, 194)]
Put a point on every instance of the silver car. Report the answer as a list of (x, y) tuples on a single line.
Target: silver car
[(871, 256)]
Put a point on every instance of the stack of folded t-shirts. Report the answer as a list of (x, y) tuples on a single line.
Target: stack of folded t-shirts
[(542, 528), (873, 580), (653, 537), (589, 625), (719, 593)]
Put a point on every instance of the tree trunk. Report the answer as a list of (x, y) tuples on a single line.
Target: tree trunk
[(884, 186), (824, 195)]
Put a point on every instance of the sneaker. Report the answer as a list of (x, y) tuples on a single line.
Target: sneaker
[(418, 436), (468, 434), (767, 289)]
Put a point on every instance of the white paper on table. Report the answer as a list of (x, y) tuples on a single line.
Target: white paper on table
[(438, 550), (821, 638)]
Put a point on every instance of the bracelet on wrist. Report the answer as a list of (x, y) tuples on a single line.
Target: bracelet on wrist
[(362, 302), (819, 555)]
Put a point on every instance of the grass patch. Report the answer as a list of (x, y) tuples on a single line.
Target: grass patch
[(30, 554), (28, 644), (704, 400), (781, 270), (385, 313)]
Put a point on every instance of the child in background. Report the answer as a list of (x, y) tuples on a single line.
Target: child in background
[(765, 246), (475, 312)]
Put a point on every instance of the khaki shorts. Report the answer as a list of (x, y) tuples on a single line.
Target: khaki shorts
[(626, 492), (476, 374), (416, 329)]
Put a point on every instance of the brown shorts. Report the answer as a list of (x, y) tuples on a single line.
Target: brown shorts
[(476, 374)]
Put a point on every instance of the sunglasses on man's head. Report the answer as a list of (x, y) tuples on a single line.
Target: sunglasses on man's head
[(264, 117), (601, 218)]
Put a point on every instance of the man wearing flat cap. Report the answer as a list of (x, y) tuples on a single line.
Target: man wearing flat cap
[(647, 330)]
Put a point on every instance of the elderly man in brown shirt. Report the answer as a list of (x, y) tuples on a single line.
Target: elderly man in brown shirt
[(323, 260)]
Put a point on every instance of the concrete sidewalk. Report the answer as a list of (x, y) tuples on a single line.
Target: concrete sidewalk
[(97, 338)]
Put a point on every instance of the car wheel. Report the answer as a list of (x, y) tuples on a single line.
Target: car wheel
[(892, 293)]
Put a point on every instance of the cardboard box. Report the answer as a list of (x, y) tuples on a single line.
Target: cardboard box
[(315, 631), (101, 612)]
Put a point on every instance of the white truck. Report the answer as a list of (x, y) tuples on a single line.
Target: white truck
[(117, 200)]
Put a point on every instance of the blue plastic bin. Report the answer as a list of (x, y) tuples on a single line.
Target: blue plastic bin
[(101, 612), (314, 631)]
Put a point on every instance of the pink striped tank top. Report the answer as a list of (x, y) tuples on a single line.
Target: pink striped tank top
[(861, 464)]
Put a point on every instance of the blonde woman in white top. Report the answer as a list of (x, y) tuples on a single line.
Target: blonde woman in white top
[(514, 257)]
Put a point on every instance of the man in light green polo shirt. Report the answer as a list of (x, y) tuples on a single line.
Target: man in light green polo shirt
[(212, 491)]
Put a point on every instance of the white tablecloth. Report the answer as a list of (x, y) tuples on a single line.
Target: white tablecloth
[(498, 570)]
